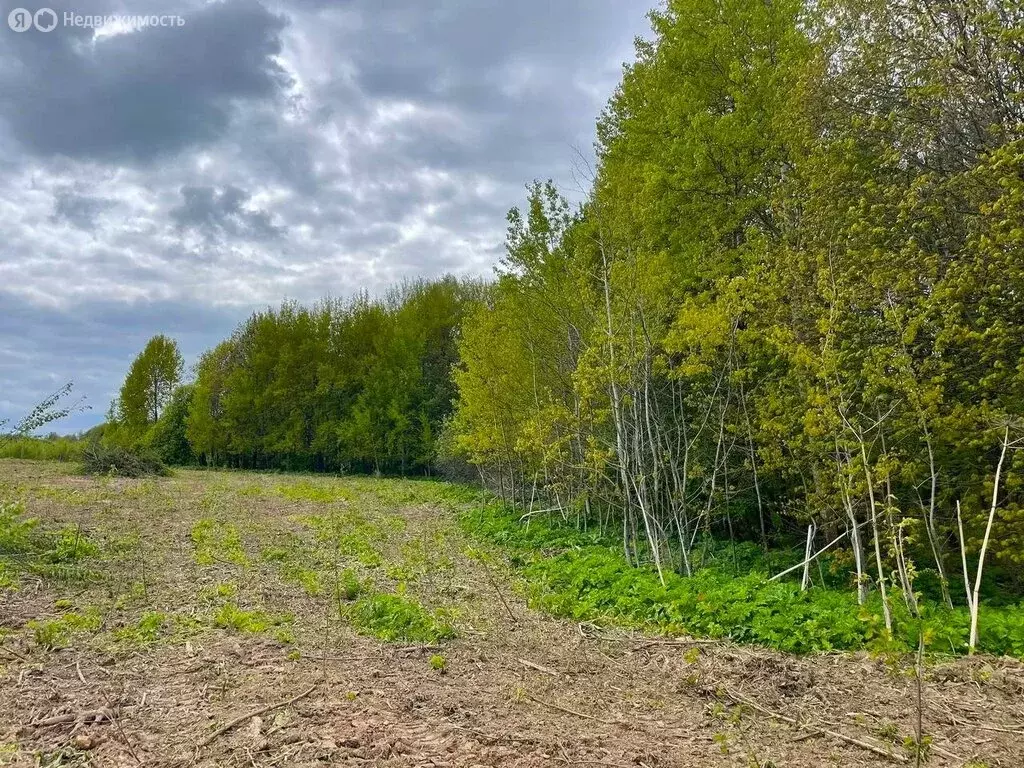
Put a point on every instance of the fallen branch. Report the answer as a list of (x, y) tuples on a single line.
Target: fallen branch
[(835, 734), (540, 668), (808, 558), (263, 710), (568, 711), (92, 716), (494, 584), (15, 654)]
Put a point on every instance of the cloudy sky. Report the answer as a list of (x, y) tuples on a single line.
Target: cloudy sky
[(173, 179)]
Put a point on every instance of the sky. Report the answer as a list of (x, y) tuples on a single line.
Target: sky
[(173, 178)]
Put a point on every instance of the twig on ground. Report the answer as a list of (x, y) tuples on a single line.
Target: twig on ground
[(497, 589), (15, 654), (560, 708), (263, 710), (540, 668), (124, 736), (878, 750)]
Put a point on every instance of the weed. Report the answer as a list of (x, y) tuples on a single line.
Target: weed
[(55, 633), (217, 592), (394, 617), (148, 629), (438, 662), (579, 574), (26, 546), (349, 585), (231, 616)]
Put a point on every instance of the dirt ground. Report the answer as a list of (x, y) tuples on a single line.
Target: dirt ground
[(514, 688)]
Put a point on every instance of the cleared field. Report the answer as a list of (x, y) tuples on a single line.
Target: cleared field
[(215, 618)]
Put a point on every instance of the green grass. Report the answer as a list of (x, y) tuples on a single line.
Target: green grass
[(581, 575), (56, 633), (42, 449), (216, 541), (250, 622)]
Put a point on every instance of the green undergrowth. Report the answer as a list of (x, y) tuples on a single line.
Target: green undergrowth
[(28, 547), (582, 575), (320, 493), (393, 617), (245, 621)]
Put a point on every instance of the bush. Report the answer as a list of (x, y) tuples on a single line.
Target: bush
[(113, 460)]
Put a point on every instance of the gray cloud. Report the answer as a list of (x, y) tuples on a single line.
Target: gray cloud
[(78, 210), (174, 179), (138, 96), (223, 212)]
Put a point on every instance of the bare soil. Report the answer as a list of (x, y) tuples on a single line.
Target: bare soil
[(517, 688)]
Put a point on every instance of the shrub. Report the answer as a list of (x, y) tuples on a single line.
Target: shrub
[(100, 459)]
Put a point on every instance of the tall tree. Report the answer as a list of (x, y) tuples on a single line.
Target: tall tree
[(150, 383)]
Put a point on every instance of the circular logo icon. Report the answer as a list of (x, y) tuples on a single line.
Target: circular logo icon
[(45, 19), (20, 20)]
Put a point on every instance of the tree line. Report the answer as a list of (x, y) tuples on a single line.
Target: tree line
[(362, 385), (791, 307)]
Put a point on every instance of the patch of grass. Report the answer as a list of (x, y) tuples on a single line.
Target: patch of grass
[(55, 633), (350, 534), (349, 587), (217, 592), (231, 616), (393, 617), (42, 448), (217, 541), (150, 627), (320, 493), (291, 557)]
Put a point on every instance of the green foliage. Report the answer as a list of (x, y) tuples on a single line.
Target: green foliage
[(393, 617), (150, 627), (27, 547), (791, 295), (56, 633), (167, 438), (364, 385), (323, 494), (53, 407), (576, 574)]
